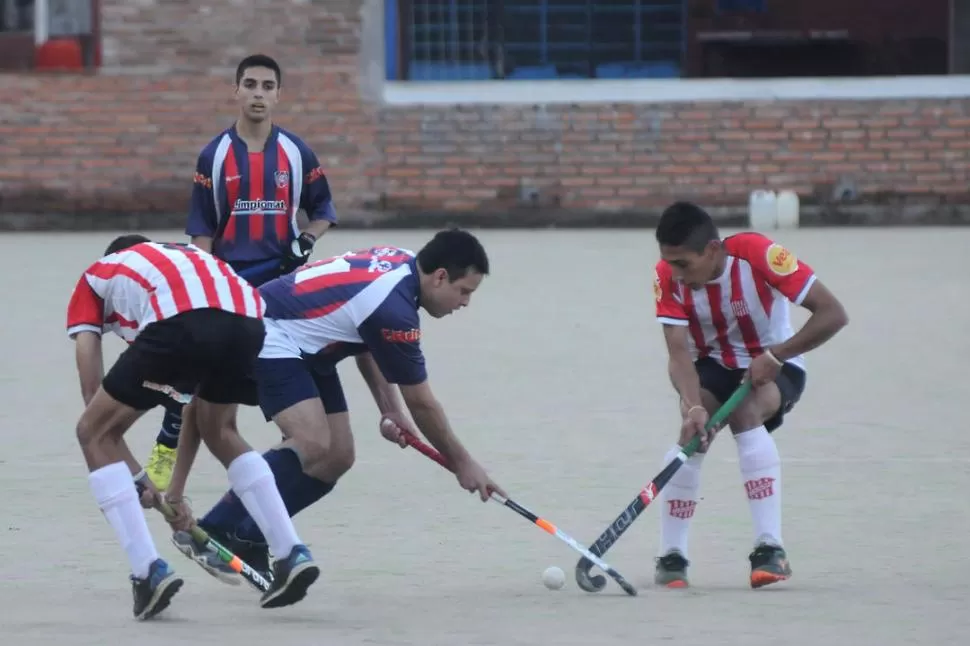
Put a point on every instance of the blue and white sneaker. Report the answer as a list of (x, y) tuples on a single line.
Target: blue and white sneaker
[(292, 576), (204, 557), (154, 593)]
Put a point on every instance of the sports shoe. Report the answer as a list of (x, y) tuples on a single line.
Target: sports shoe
[(769, 564), (672, 570), (205, 558), (160, 465), (153, 593), (256, 555), (292, 576)]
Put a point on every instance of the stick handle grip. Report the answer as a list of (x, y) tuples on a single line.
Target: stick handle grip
[(720, 415)]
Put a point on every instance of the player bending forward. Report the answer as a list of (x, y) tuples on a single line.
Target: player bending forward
[(362, 303), (190, 320), (725, 314)]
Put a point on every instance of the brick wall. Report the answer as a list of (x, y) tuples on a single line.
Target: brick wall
[(125, 140)]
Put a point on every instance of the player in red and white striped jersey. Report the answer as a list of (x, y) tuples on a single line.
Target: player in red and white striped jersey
[(724, 306), (193, 326)]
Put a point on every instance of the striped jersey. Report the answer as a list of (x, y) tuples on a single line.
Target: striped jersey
[(248, 201), (734, 317), (125, 291), (361, 301)]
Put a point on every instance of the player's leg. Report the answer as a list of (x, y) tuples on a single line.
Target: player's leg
[(680, 497), (250, 475), (304, 478), (111, 412), (162, 459), (760, 463), (295, 398)]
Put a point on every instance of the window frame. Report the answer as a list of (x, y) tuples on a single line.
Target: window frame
[(405, 93), (18, 49)]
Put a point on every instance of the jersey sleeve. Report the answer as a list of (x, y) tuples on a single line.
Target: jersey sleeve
[(669, 310), (85, 311), (316, 200), (393, 336), (775, 264), (203, 219)]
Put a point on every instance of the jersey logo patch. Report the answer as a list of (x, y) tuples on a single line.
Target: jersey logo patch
[(657, 290), (781, 261), (401, 336)]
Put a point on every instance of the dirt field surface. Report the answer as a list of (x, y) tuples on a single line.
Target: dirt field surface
[(555, 378)]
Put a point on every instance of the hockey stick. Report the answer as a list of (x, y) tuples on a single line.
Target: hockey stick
[(591, 583), (542, 523), (237, 564)]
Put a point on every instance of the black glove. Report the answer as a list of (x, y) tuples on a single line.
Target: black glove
[(298, 252)]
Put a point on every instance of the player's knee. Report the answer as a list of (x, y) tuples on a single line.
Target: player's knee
[(745, 417), (341, 460), (754, 410), (87, 433), (313, 449)]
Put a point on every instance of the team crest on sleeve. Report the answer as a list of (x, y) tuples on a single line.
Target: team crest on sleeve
[(658, 291), (282, 178), (781, 261)]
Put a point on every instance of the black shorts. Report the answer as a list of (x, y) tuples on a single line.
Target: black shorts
[(209, 353), (722, 382), (285, 382)]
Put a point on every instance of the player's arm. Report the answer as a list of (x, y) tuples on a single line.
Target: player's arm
[(680, 363), (90, 362), (385, 394), (317, 199), (401, 362), (680, 366), (187, 451), (796, 280), (203, 220), (828, 316), (85, 321)]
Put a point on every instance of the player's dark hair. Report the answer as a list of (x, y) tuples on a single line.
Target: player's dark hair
[(455, 251), (125, 241), (259, 60), (684, 224)]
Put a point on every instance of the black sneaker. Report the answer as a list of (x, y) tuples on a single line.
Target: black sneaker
[(769, 564), (672, 570), (153, 593), (292, 576)]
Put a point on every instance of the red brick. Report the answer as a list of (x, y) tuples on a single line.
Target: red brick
[(122, 142)]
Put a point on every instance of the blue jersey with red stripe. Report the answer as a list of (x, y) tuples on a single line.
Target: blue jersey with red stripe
[(365, 300), (247, 201)]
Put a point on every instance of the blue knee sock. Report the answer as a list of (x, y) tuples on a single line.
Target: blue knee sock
[(297, 489), (171, 427)]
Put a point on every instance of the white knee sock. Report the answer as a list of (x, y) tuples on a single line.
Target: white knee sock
[(253, 481), (761, 471), (679, 499), (117, 497)]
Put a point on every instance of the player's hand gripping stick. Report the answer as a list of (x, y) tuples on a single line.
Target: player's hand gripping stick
[(544, 524), (595, 583)]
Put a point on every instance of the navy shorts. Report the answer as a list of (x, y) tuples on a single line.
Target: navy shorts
[(722, 382), (258, 272), (281, 383)]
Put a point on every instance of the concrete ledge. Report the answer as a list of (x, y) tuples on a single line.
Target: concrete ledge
[(917, 210)]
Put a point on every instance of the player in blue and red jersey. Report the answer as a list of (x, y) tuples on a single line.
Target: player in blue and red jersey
[(250, 181), (364, 304)]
